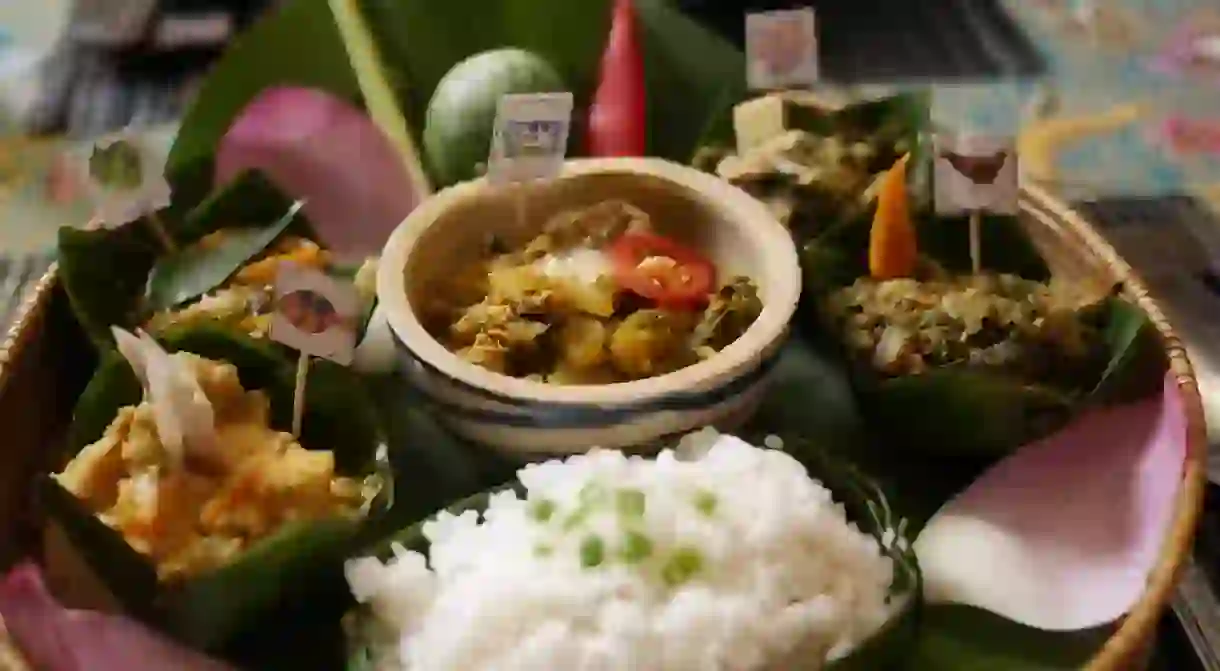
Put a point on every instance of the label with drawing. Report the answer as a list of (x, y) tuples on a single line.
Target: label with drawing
[(314, 313), (975, 172), (530, 139), (781, 49)]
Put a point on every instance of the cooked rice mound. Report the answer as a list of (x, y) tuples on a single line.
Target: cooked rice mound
[(722, 556)]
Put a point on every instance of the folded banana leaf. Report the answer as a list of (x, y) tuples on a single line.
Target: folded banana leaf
[(891, 125), (299, 566), (121, 276), (976, 412), (866, 505), (899, 116)]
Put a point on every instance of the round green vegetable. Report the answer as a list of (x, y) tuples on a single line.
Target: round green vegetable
[(462, 112)]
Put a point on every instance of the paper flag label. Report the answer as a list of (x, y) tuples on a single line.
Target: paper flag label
[(315, 313), (975, 172), (530, 138), (781, 49)]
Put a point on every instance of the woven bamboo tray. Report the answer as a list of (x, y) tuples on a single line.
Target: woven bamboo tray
[(45, 362)]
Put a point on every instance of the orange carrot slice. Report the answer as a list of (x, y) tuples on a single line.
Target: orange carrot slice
[(891, 246)]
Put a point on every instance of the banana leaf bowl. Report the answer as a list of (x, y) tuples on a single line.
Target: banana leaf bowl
[(866, 506), (982, 412), (388, 57), (209, 609)]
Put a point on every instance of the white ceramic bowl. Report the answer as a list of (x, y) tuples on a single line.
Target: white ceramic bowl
[(532, 418)]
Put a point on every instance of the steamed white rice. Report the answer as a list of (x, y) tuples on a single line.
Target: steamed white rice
[(730, 558)]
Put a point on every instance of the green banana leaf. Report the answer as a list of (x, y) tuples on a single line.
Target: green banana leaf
[(692, 76), (193, 272), (297, 567), (118, 277), (961, 638), (296, 44), (812, 396), (691, 82), (972, 413), (866, 504)]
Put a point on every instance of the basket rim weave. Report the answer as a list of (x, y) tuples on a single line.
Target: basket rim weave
[(1138, 627), (1133, 636)]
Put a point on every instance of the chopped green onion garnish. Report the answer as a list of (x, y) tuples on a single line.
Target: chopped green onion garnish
[(636, 547), (576, 518), (591, 493), (543, 550), (630, 503), (542, 510), (592, 552), (705, 502), (681, 566)]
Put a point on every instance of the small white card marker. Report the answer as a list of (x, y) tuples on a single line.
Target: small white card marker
[(316, 315), (781, 49), (530, 139), (975, 173), (530, 142)]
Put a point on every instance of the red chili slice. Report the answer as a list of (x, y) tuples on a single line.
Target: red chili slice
[(662, 270)]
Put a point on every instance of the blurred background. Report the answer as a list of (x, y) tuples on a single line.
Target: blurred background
[(1116, 104)]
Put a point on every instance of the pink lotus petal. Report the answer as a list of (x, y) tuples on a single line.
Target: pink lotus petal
[(54, 638), (321, 149), (1062, 535)]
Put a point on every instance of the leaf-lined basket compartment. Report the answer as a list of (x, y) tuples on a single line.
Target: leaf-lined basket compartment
[(973, 413), (864, 501), (117, 277), (897, 119), (296, 567)]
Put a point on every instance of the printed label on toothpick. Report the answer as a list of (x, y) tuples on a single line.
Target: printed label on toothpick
[(314, 313), (531, 137), (781, 49), (975, 173)]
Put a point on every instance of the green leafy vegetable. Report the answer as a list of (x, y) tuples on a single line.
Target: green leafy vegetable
[(196, 271), (296, 565)]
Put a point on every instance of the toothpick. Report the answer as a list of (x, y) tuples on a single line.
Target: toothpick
[(976, 264), (158, 228), (298, 394)]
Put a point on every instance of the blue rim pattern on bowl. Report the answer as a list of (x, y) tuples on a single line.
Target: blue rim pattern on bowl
[(548, 415)]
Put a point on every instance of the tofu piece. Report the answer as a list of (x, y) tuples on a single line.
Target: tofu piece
[(759, 120)]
